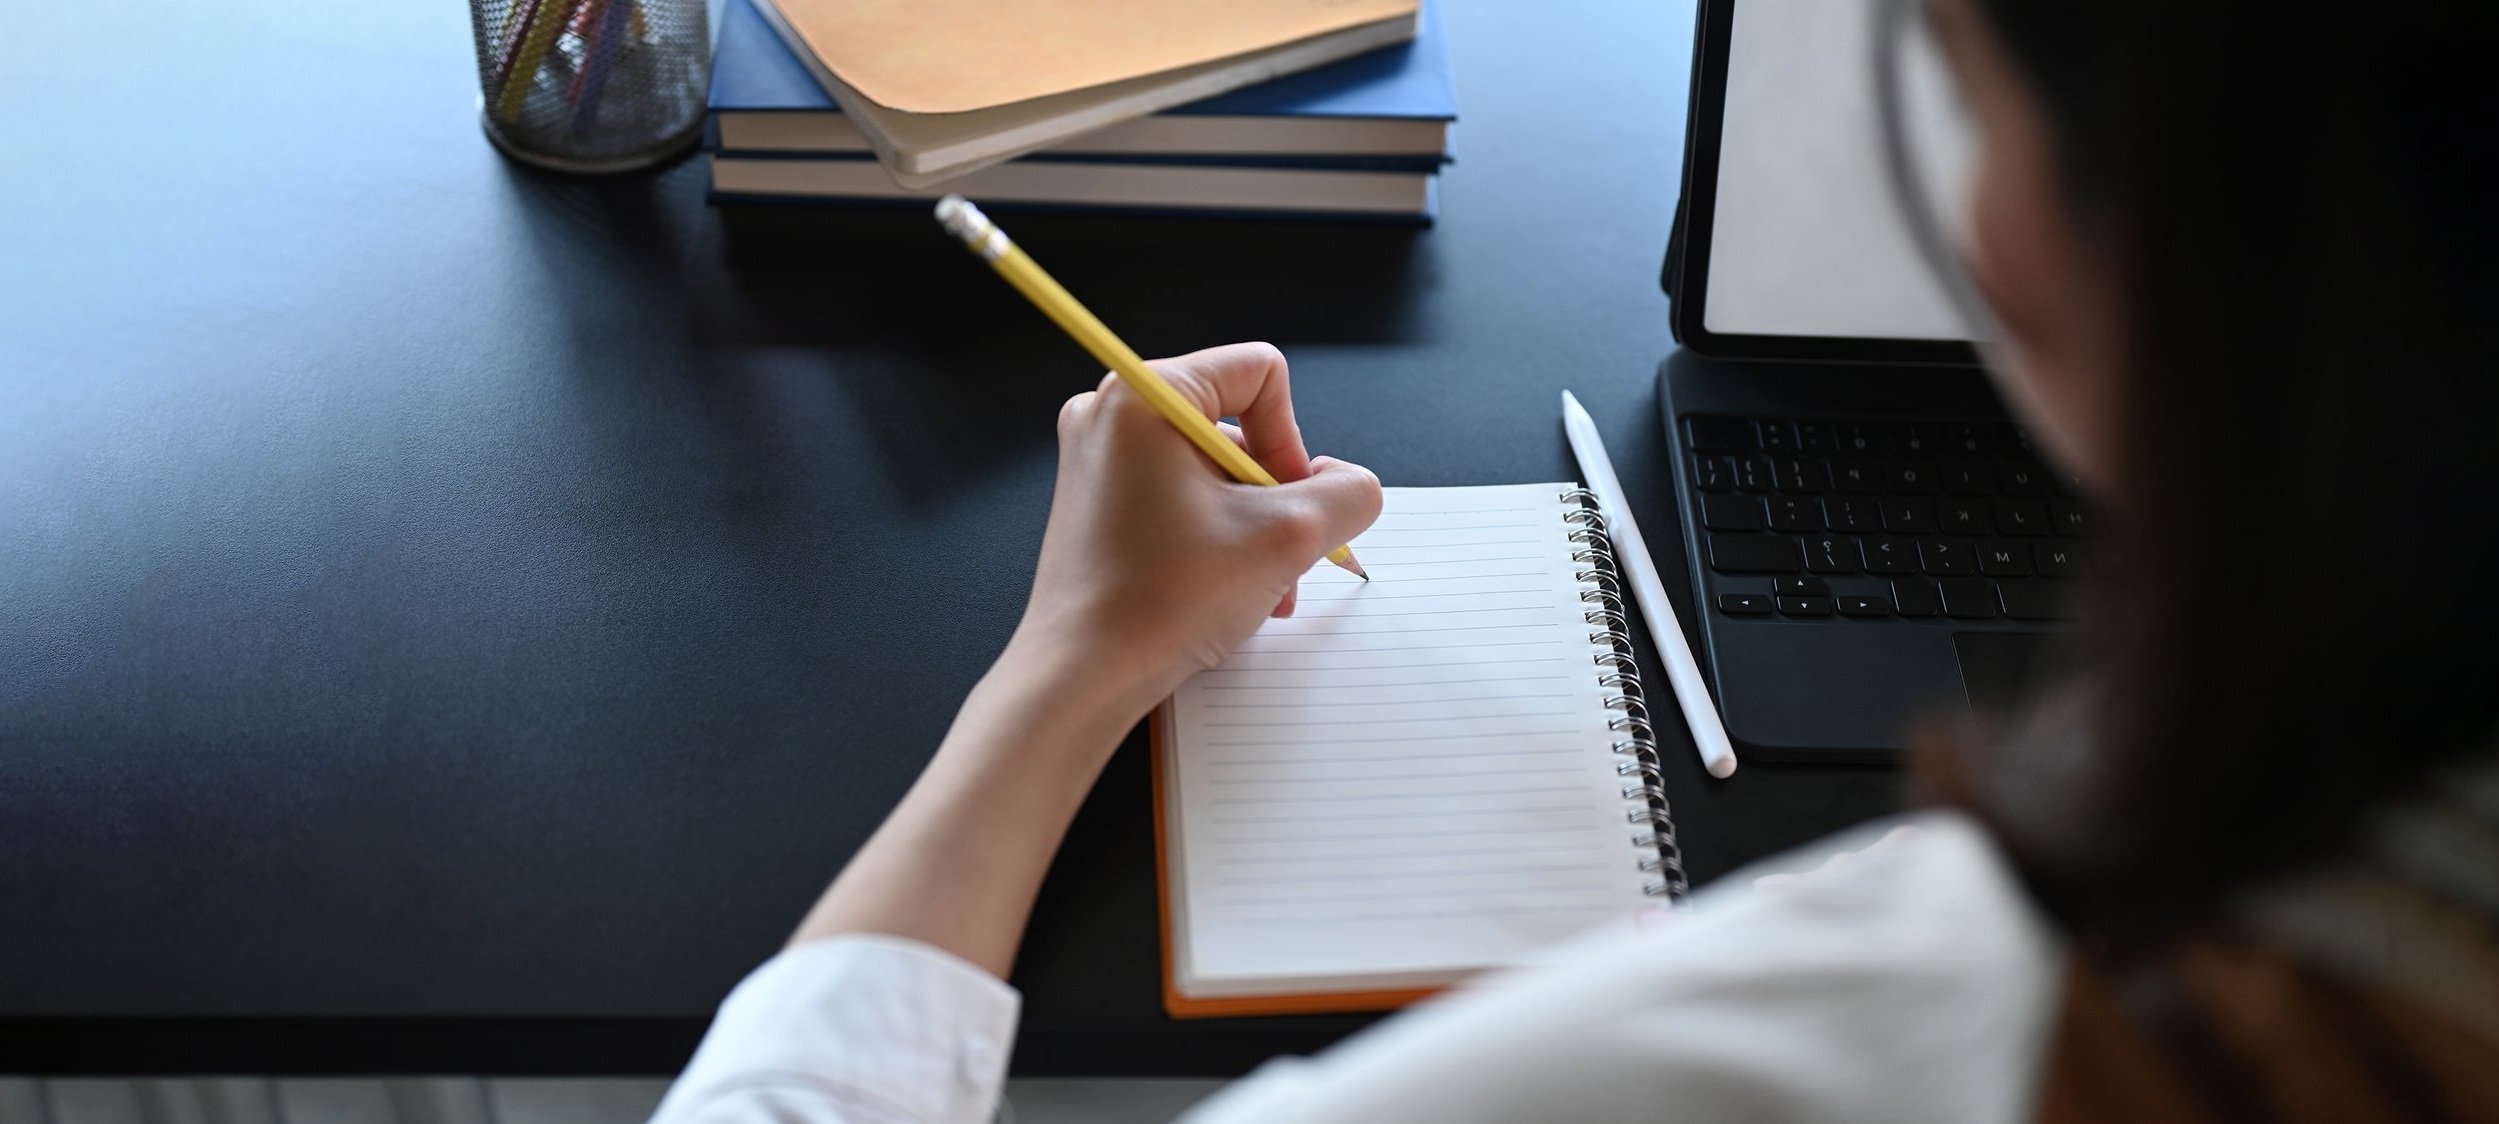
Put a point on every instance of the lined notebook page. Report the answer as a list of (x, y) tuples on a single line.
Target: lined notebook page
[(1411, 777)]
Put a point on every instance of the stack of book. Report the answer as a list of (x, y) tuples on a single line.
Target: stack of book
[(1352, 129)]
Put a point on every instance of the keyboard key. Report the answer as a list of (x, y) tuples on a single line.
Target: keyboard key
[(1910, 477), (1804, 606), (1799, 514), (1915, 439), (2022, 517), (1856, 517), (1754, 554), (1969, 599), (1800, 474), (2060, 560), (1965, 517), (1890, 556), (1713, 473), (1776, 437), (2032, 601), (1815, 437), (2004, 559), (1744, 604), (1860, 605), (1714, 434), (1831, 554), (2023, 480), (2011, 441), (1974, 440), (1944, 556), (1752, 474), (2071, 519), (1965, 479), (1857, 477), (1909, 517), (1914, 597), (1799, 586), (1860, 438), (1731, 513)]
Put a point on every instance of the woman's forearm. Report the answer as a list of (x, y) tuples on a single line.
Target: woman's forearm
[(958, 862)]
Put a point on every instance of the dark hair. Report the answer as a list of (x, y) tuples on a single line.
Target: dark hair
[(2297, 607)]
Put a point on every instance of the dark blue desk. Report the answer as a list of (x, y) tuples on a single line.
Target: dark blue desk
[(454, 619)]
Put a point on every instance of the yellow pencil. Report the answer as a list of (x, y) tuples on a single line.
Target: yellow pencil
[(537, 38), (984, 238)]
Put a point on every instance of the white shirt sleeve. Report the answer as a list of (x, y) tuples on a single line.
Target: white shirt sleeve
[(857, 1029), (1912, 983)]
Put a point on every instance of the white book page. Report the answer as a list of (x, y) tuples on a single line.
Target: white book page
[(1409, 778)]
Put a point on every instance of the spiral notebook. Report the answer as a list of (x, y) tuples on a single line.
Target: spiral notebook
[(1439, 771)]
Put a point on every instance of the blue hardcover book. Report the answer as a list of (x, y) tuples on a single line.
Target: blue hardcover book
[(1386, 110), (1091, 185)]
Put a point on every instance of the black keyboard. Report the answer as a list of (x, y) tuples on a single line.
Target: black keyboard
[(1883, 520)]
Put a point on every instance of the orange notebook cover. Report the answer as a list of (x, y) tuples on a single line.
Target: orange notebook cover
[(955, 56)]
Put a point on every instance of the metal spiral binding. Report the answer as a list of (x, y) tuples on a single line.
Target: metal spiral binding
[(1619, 673)]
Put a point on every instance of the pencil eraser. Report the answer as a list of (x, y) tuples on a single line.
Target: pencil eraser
[(961, 218)]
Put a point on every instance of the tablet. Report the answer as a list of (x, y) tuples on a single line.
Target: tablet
[(1790, 243)]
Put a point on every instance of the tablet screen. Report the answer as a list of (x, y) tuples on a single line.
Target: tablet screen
[(1808, 241)]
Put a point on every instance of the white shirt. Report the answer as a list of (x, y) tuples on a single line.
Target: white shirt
[(1912, 982)]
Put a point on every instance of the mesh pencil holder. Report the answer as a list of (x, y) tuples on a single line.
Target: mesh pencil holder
[(592, 85)]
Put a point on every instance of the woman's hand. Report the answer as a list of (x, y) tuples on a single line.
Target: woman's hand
[(1156, 564)]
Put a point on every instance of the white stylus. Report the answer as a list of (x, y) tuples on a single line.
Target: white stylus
[(1709, 735)]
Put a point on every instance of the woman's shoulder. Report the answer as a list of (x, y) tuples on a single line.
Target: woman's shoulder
[(1894, 973), (1915, 924), (1908, 892)]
